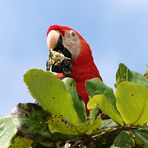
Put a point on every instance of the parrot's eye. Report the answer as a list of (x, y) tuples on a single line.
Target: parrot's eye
[(73, 34)]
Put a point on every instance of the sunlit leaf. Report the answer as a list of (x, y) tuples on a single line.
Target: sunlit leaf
[(51, 93), (144, 116), (102, 102), (132, 103), (7, 130)]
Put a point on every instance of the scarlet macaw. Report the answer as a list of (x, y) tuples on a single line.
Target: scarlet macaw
[(81, 66)]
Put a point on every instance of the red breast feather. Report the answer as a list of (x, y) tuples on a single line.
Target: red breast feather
[(84, 68)]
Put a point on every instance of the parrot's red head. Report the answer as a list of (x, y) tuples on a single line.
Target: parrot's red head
[(74, 46), (71, 39)]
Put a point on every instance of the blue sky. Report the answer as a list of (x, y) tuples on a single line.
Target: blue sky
[(116, 30)]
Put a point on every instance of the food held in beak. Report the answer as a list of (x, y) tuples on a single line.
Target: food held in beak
[(57, 62)]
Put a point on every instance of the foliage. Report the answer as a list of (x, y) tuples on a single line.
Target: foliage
[(59, 118), (51, 94), (7, 130)]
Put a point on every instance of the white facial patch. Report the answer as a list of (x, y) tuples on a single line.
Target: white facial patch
[(72, 42)]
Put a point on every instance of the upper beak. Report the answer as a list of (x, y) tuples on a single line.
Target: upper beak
[(55, 42), (52, 39)]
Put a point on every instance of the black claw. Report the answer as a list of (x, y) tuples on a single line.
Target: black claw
[(64, 67), (67, 67), (56, 68), (67, 63)]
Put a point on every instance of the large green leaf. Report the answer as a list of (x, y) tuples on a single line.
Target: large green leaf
[(123, 140), (79, 104), (96, 86), (142, 136), (57, 124), (102, 102), (51, 93), (132, 103), (144, 116), (125, 74), (7, 130)]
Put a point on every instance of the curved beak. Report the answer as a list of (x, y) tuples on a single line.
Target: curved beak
[(52, 39)]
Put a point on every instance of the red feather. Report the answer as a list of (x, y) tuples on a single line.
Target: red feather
[(84, 69)]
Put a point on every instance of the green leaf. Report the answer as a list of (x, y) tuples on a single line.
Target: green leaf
[(123, 140), (96, 86), (144, 116), (125, 74), (7, 130), (142, 136), (21, 142), (93, 114), (30, 119), (89, 127), (57, 124), (51, 93), (79, 104), (102, 102), (132, 103)]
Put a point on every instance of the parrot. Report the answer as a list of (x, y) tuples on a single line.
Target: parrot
[(79, 64)]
